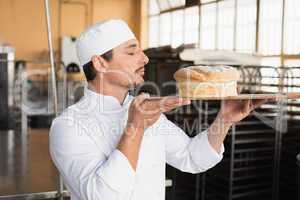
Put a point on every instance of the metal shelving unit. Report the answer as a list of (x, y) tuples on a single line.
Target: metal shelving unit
[(255, 149), (254, 164)]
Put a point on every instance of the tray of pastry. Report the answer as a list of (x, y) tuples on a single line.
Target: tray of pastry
[(217, 83), (273, 96)]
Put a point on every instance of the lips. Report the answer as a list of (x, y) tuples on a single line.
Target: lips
[(141, 73), (141, 70)]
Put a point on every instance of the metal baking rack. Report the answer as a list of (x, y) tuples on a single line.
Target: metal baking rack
[(251, 167)]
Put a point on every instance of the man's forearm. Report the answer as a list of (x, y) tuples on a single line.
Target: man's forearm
[(217, 133), (130, 144)]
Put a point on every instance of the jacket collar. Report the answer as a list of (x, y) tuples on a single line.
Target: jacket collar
[(106, 103)]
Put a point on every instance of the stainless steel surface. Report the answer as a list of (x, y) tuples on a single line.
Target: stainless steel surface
[(26, 166), (51, 54), (10, 70), (34, 196), (7, 75), (53, 78), (24, 121), (26, 169)]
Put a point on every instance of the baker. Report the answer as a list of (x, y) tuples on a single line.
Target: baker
[(111, 145)]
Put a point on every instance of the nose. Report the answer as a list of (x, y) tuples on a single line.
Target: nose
[(145, 58)]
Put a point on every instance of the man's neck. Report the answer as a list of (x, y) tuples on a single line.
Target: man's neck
[(109, 90)]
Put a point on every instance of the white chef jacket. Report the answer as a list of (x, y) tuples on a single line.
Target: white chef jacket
[(83, 141)]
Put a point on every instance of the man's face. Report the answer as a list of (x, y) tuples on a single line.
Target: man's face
[(126, 68)]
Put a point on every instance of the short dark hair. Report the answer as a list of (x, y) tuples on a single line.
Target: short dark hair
[(89, 70)]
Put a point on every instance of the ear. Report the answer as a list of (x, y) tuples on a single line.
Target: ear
[(99, 64)]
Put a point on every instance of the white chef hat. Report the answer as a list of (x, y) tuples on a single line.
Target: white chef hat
[(102, 37)]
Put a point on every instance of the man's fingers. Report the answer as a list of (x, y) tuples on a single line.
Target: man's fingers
[(163, 104), (166, 102), (141, 98), (258, 102), (175, 101), (252, 104), (246, 106), (272, 100), (167, 108), (239, 89), (151, 113)]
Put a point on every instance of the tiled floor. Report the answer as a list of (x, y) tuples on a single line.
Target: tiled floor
[(25, 164)]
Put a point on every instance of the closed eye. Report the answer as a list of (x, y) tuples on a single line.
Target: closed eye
[(132, 49)]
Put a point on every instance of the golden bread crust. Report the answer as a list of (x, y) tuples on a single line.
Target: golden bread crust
[(207, 81), (207, 73)]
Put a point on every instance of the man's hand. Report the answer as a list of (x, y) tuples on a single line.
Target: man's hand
[(233, 111), (145, 111)]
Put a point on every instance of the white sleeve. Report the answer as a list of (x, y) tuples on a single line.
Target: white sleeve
[(88, 172), (193, 155)]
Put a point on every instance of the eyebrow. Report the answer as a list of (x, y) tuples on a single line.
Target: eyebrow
[(131, 46)]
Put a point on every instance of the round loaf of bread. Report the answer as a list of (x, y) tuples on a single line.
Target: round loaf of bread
[(207, 81)]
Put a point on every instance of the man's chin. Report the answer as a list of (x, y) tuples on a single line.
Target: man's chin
[(139, 83)]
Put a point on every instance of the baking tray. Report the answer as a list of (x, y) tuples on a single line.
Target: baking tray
[(275, 96)]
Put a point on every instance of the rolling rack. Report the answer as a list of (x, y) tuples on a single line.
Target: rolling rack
[(260, 151), (290, 140)]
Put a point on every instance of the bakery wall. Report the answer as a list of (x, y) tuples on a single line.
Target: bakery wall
[(23, 24)]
